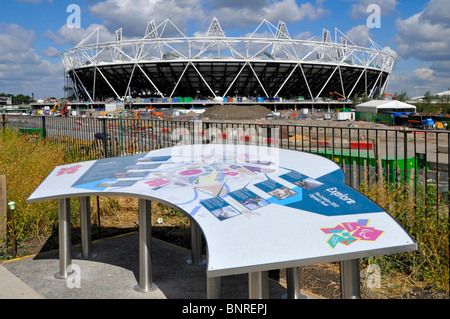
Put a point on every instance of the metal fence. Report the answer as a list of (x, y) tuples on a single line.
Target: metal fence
[(396, 154)]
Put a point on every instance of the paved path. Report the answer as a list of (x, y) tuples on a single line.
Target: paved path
[(12, 287), (113, 273)]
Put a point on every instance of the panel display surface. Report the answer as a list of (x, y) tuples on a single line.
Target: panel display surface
[(259, 208)]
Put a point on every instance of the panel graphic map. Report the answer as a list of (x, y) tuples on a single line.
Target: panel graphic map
[(255, 205)]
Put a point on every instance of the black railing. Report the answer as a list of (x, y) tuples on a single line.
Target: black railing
[(366, 154)]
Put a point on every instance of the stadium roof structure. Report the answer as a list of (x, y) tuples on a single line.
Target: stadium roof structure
[(269, 63)]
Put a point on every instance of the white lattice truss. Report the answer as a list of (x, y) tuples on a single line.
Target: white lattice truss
[(274, 44)]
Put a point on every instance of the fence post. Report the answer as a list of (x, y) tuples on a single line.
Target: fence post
[(405, 152), (105, 146), (12, 207), (3, 206), (378, 160), (44, 129)]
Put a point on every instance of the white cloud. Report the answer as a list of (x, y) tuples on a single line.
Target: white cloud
[(391, 51), (441, 69), (438, 11), (14, 38), (22, 70), (51, 52), (359, 9), (418, 81), (359, 35), (289, 11), (238, 4), (303, 35), (231, 14), (425, 74), (426, 35), (133, 15), (250, 13), (73, 36)]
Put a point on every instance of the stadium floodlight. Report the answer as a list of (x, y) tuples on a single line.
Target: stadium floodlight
[(151, 31)]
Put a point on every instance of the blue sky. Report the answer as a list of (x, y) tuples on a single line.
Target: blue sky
[(33, 33)]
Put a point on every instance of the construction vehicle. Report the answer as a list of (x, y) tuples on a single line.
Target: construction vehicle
[(147, 108), (415, 121), (386, 94), (341, 96), (64, 112)]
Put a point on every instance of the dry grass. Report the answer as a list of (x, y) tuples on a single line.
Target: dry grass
[(26, 162), (427, 222)]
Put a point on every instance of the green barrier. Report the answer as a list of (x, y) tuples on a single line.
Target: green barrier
[(32, 131), (362, 157)]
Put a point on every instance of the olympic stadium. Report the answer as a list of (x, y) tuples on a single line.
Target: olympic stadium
[(266, 65)]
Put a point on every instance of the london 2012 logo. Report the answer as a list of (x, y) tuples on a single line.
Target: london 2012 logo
[(69, 170), (349, 232)]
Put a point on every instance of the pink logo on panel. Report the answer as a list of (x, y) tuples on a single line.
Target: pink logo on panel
[(69, 170), (349, 232)]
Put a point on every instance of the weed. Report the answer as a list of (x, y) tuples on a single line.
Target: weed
[(26, 162), (426, 219)]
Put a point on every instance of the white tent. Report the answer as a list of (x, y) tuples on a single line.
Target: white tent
[(443, 93), (378, 106)]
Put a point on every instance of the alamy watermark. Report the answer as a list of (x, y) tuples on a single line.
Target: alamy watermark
[(374, 19), (74, 19), (74, 279), (372, 276), (201, 139)]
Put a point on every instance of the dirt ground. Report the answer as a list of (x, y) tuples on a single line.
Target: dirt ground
[(323, 280), (235, 112)]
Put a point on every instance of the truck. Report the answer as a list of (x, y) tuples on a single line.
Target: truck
[(427, 123), (417, 121)]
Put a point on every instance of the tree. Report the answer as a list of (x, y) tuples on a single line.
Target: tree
[(365, 97), (21, 99), (445, 98), (427, 105), (403, 96), (428, 98), (355, 100), (18, 99)]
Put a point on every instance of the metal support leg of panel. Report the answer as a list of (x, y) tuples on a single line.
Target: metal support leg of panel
[(196, 246), (350, 280), (145, 241), (258, 285), (293, 283), (65, 258), (85, 221), (214, 288)]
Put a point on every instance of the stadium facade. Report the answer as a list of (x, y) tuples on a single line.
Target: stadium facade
[(267, 64)]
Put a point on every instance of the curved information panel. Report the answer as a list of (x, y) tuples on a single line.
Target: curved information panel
[(259, 208)]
